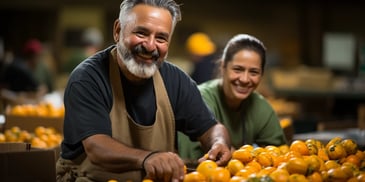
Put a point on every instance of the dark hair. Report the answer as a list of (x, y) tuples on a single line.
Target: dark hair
[(240, 42), (170, 5)]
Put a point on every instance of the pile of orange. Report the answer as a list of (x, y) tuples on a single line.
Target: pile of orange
[(42, 137), (42, 109), (309, 160)]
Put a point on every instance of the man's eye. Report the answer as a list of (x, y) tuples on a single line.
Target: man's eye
[(140, 34), (161, 39)]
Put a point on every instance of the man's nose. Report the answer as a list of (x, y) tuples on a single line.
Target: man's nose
[(149, 44)]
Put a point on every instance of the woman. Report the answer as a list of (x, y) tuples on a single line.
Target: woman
[(232, 98)]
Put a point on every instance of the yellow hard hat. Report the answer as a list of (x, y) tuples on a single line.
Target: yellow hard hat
[(200, 44)]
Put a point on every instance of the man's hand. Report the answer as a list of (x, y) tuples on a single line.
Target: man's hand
[(217, 142), (220, 153), (165, 166)]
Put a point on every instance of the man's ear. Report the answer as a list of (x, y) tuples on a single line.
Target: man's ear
[(116, 30)]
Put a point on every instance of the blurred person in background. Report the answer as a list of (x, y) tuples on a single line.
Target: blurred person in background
[(26, 75), (41, 66), (248, 116), (91, 41), (201, 50), (125, 104)]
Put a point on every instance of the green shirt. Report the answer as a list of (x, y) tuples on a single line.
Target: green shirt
[(255, 123)]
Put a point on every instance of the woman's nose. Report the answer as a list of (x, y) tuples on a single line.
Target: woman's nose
[(244, 77)]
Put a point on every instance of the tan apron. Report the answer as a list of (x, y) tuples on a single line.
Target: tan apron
[(127, 132)]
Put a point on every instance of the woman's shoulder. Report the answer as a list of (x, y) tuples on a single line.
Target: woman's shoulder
[(209, 86), (259, 102)]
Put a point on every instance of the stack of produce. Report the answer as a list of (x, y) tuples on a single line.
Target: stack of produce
[(310, 160), (41, 137)]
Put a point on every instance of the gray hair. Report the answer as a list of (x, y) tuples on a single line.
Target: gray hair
[(170, 5)]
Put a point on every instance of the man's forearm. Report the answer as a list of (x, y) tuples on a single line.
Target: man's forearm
[(216, 134)]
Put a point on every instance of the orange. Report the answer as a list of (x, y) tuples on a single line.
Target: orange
[(361, 177), (273, 149), (245, 172), (2, 138), (297, 165), (243, 155), (335, 140), (254, 165), (299, 146), (15, 129), (247, 146), (234, 166), (220, 174), (352, 166), (257, 150), (38, 143), (353, 179), (350, 146), (322, 153), (297, 178), (336, 151), (265, 159), (315, 177), (194, 177), (277, 160), (284, 149), (237, 179), (283, 165), (316, 142), (292, 154), (331, 164), (360, 154), (362, 165), (354, 159), (314, 163), (39, 131), (337, 174), (349, 171), (280, 175), (265, 171), (113, 180), (313, 150), (206, 167), (10, 136), (324, 175)]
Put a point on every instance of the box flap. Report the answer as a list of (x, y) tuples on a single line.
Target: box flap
[(29, 166), (14, 147)]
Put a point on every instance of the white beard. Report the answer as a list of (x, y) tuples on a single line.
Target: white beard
[(138, 69)]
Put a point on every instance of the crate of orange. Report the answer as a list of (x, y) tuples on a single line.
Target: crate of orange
[(28, 116)]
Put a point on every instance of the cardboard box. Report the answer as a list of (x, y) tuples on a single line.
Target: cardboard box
[(19, 162), (302, 78), (29, 123)]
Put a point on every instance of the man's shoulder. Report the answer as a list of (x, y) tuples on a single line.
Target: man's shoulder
[(172, 72)]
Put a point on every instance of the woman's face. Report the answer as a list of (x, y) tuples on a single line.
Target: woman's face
[(242, 75)]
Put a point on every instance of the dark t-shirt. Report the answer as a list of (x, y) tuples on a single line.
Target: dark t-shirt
[(88, 101)]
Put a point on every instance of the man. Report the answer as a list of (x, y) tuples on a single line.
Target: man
[(125, 104)]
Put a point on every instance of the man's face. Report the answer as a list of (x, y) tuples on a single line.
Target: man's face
[(143, 39)]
